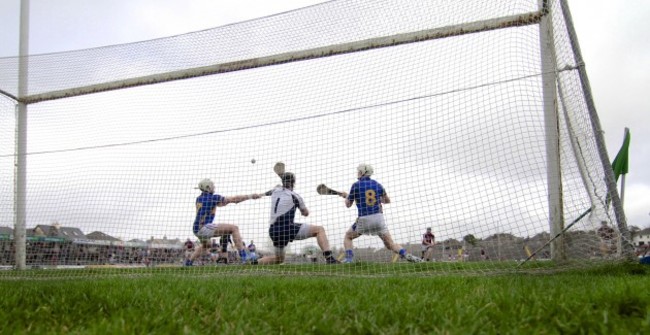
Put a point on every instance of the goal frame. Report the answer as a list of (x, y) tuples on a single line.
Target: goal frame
[(541, 17)]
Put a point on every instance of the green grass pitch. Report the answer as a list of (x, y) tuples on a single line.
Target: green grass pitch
[(610, 299)]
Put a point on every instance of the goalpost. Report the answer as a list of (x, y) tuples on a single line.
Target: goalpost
[(476, 116)]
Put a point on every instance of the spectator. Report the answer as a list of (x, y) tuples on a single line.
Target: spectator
[(189, 249), (484, 256), (607, 237), (643, 252), (428, 241), (224, 256), (252, 252)]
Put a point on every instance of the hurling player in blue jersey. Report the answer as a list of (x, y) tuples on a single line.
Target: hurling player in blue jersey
[(283, 229), (369, 196), (205, 229)]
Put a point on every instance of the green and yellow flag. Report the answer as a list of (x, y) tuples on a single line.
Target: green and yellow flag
[(620, 163)]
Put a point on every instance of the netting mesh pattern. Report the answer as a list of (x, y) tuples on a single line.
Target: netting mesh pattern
[(454, 129), (327, 24)]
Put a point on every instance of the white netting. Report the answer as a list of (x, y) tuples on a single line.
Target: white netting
[(324, 25), (454, 128)]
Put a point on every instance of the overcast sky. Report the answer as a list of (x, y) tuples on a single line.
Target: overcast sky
[(613, 36)]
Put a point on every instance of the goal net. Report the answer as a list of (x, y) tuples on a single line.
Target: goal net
[(476, 117)]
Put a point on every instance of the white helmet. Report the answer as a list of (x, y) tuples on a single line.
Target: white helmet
[(365, 170), (206, 185)]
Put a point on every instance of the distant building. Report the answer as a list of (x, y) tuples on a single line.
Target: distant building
[(6, 233), (100, 236), (164, 243), (56, 230)]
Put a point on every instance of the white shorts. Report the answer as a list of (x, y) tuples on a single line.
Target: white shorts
[(207, 231), (373, 224), (303, 233), (425, 247)]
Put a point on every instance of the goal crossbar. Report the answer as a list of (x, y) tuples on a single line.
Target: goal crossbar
[(524, 19)]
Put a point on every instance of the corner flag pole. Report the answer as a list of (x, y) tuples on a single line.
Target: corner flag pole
[(624, 164), (620, 166)]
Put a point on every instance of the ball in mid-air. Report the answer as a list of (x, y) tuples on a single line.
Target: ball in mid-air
[(253, 161)]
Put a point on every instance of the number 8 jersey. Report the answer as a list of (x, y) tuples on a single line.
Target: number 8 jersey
[(367, 193)]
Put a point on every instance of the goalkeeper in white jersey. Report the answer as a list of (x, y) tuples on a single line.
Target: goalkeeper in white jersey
[(283, 229)]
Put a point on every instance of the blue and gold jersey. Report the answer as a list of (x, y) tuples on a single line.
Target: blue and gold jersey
[(367, 193), (206, 206)]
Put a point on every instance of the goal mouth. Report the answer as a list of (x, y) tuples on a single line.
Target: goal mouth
[(474, 116)]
